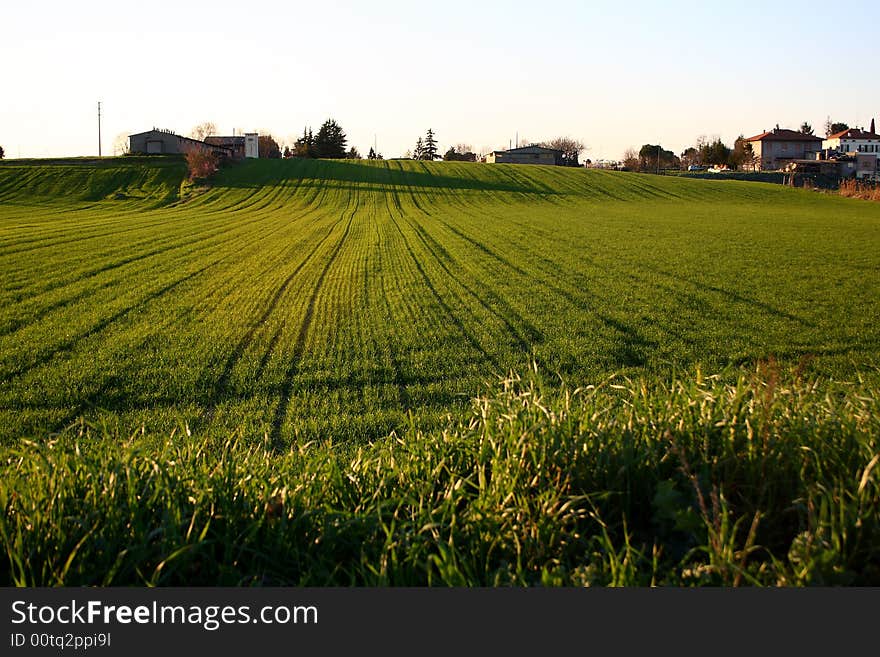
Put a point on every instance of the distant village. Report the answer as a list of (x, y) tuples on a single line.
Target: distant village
[(844, 152)]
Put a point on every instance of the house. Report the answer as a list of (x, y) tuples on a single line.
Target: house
[(166, 142), (247, 145), (526, 155), (863, 146), (776, 148), (853, 140)]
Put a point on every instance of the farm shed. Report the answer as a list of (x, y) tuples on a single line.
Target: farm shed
[(526, 155), (166, 142)]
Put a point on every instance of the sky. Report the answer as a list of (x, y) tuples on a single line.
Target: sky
[(611, 74)]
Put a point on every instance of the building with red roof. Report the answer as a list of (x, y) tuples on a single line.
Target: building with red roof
[(776, 148)]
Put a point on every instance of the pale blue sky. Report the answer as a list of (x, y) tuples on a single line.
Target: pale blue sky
[(613, 74)]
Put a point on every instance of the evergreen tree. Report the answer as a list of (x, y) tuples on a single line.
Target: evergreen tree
[(372, 154), (330, 140), (429, 151), (305, 145), (2, 153), (419, 151)]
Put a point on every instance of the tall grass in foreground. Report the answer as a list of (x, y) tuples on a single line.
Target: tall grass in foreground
[(858, 189), (754, 478)]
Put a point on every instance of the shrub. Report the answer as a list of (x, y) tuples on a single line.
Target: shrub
[(201, 163), (862, 190)]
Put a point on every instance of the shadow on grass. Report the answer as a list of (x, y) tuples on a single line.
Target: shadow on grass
[(381, 176)]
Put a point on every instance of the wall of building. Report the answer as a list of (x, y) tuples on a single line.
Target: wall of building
[(773, 154), (155, 142), (158, 142), (251, 144), (520, 158), (868, 146)]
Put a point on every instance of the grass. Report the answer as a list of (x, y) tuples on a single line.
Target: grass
[(769, 480), (283, 322)]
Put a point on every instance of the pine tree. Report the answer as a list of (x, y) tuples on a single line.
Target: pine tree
[(330, 140), (429, 151), (372, 154), (419, 151), (305, 145)]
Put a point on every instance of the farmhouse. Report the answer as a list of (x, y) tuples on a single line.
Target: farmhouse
[(776, 148), (247, 145), (853, 140), (166, 142), (526, 155)]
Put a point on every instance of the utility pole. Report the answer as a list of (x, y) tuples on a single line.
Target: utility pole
[(659, 148), (99, 128)]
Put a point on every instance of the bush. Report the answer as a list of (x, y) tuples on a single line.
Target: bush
[(862, 190), (201, 163)]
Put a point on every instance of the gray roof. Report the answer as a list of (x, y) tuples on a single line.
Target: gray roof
[(530, 150)]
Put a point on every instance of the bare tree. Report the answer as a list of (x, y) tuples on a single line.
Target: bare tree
[(120, 144), (571, 149), (631, 159), (203, 130)]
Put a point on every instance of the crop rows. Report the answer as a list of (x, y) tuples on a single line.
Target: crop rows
[(339, 300)]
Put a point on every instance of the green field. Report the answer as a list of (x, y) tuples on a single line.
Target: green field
[(295, 312), (324, 300)]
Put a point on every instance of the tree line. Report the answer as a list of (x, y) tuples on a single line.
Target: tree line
[(706, 152)]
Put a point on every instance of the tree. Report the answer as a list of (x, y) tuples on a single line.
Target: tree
[(460, 153), (203, 130), (832, 128), (652, 158), (571, 149), (743, 156), (690, 156), (268, 147), (202, 162), (286, 152), (806, 128), (120, 144), (372, 154), (2, 153), (419, 151), (353, 154), (305, 145), (630, 159), (330, 141), (715, 152), (429, 151)]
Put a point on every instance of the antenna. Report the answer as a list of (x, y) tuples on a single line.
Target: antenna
[(99, 128)]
